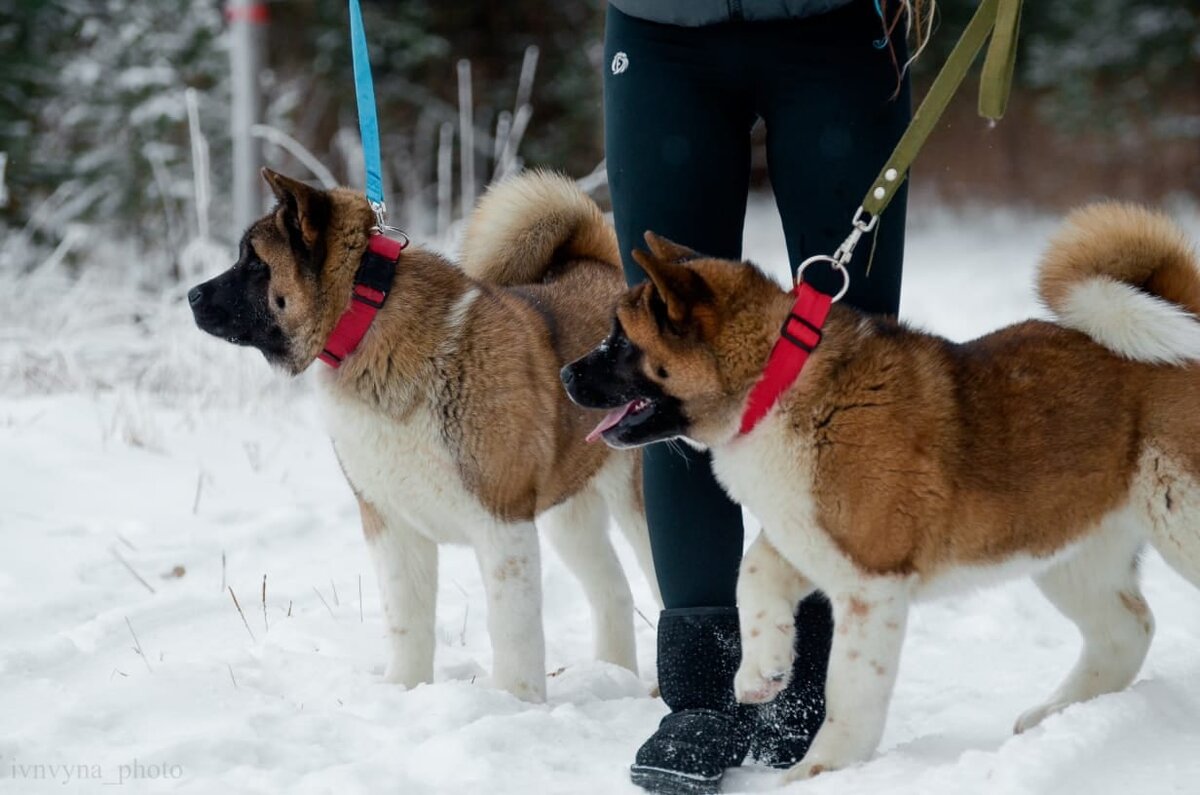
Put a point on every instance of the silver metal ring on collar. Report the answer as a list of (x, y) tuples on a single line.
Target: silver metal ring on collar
[(391, 231), (837, 266)]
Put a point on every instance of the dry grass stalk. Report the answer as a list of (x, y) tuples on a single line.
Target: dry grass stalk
[(137, 645), (131, 570), (322, 598), (245, 623)]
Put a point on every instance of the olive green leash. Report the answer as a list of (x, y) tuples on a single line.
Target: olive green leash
[(999, 19)]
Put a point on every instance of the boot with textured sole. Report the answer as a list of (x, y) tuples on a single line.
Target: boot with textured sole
[(707, 731), (782, 729)]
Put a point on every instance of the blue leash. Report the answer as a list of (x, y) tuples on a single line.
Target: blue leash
[(882, 42), (368, 122)]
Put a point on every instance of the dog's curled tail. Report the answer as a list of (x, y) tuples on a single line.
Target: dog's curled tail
[(1127, 277), (527, 223)]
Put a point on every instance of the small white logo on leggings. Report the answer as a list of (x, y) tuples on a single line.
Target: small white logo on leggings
[(620, 63)]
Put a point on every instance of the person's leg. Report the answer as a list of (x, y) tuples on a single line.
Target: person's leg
[(678, 154), (834, 106)]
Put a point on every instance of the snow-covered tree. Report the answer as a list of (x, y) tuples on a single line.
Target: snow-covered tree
[(92, 110)]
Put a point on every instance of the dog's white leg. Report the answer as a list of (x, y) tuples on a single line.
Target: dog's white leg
[(578, 530), (768, 590), (406, 567), (1098, 589), (512, 577), (621, 486), (869, 621)]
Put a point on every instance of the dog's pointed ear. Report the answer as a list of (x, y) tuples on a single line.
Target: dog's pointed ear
[(679, 287), (668, 250), (304, 212)]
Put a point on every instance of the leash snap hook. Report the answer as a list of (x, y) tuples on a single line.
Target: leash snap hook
[(860, 224), (380, 210), (381, 225), (845, 251)]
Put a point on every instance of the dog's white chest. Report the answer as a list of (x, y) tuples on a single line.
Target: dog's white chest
[(403, 468), (771, 474)]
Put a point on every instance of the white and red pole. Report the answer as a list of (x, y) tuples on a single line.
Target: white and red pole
[(247, 28)]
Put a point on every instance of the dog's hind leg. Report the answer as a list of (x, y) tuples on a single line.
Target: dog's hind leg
[(510, 564), (1170, 496), (1097, 588), (406, 567), (620, 483), (869, 617), (578, 531)]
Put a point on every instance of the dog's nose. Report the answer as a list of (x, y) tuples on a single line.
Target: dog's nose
[(196, 294), (567, 376)]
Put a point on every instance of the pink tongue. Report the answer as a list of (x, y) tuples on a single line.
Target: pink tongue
[(610, 419)]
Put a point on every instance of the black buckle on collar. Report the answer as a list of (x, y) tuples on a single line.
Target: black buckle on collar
[(792, 338), (375, 272)]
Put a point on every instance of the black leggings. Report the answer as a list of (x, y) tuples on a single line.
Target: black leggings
[(679, 106)]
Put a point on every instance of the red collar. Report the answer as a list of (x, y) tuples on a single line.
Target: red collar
[(799, 337), (372, 283)]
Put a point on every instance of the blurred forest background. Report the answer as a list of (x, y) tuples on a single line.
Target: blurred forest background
[(94, 120)]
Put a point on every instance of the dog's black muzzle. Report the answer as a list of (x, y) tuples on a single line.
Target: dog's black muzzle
[(233, 306), (610, 377), (604, 378), (220, 310)]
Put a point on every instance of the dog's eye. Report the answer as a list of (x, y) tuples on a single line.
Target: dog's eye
[(662, 372), (280, 302)]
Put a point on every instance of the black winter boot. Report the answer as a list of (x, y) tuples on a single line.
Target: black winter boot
[(707, 731), (783, 729)]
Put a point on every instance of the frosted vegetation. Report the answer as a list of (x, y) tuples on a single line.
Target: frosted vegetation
[(152, 474)]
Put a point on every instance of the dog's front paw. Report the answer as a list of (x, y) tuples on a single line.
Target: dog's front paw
[(752, 686), (396, 675), (528, 688), (1038, 714), (766, 667), (804, 770), (406, 672)]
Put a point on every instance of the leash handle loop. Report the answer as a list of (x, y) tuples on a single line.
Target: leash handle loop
[(368, 122), (996, 18), (995, 84)]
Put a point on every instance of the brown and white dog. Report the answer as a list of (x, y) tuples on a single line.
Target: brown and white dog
[(448, 419), (901, 465)]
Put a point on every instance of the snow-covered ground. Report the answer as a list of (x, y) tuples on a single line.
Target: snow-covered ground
[(144, 477)]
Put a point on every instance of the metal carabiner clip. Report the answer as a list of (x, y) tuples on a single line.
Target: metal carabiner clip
[(381, 226)]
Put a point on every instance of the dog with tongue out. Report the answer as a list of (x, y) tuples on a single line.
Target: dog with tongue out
[(616, 377), (616, 416)]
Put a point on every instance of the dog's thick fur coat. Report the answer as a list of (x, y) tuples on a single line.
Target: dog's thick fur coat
[(901, 465), (448, 420)]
